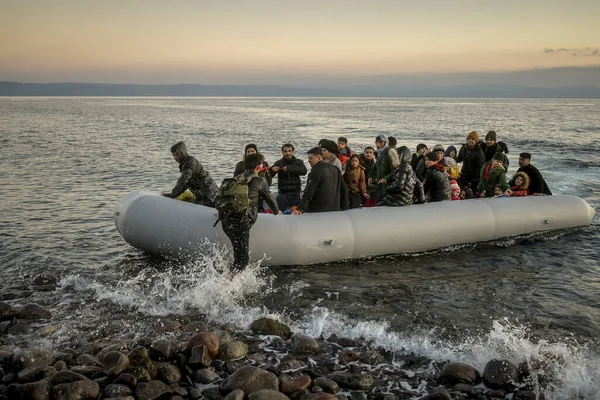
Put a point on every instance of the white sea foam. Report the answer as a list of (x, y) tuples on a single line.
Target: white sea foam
[(203, 286)]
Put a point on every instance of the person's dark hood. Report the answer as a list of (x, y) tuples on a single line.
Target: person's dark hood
[(404, 154), (180, 150)]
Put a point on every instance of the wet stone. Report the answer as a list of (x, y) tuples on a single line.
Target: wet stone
[(292, 364), (86, 370), (140, 374), (320, 396), (5, 357), (168, 373), (347, 342), (9, 378), (347, 355), (500, 374), (464, 388), (39, 390), (33, 311), (302, 344), (194, 394), (250, 379), (358, 395), (164, 325), (290, 385), (30, 358), (207, 339), (88, 359), (76, 390), (7, 312), (267, 394), (235, 395), (212, 393), (115, 362), (328, 385), (4, 325), (199, 357), (352, 381), (454, 373), (269, 326), (163, 350), (19, 328), (66, 377), (224, 336), (127, 379), (206, 376), (152, 390), (317, 389), (117, 390), (231, 351), (495, 394), (140, 357), (372, 358), (437, 396), (31, 374), (47, 330), (196, 327), (60, 365), (261, 358), (122, 347), (299, 393)]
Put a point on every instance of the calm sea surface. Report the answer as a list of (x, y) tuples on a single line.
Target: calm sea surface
[(65, 162)]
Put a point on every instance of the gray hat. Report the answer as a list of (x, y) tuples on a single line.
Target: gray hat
[(438, 147)]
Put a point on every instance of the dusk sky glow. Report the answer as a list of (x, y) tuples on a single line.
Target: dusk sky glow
[(243, 42)]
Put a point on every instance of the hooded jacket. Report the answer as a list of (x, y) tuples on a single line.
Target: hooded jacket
[(193, 177), (472, 159), (369, 173), (288, 181), (537, 184), (406, 188), (490, 177), (522, 190), (325, 190), (437, 183)]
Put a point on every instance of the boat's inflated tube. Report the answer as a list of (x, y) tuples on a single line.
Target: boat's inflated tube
[(162, 225)]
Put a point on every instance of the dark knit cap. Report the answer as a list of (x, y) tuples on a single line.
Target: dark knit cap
[(330, 146), (491, 135), (420, 146), (250, 146)]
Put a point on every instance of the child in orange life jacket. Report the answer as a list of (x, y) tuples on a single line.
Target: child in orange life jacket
[(455, 190), (521, 186)]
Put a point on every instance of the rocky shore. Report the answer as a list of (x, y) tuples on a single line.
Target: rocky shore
[(265, 362)]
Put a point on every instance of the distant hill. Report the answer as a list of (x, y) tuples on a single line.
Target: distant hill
[(398, 90)]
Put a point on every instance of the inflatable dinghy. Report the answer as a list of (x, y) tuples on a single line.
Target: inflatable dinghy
[(170, 227)]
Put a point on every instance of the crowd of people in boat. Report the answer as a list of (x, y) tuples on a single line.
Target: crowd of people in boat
[(340, 179), (382, 175)]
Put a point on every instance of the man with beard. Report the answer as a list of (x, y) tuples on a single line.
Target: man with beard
[(288, 169)]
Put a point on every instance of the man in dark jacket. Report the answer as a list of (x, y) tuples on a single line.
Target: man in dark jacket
[(418, 156), (325, 188), (406, 188), (367, 160), (472, 157), (437, 182), (193, 177), (491, 147), (237, 225), (537, 184), (288, 170)]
